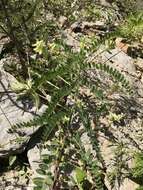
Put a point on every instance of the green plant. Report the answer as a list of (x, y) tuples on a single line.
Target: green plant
[(140, 188), (137, 170), (63, 77), (132, 27), (121, 170), (119, 166), (55, 75)]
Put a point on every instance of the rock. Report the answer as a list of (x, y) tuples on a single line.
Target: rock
[(14, 180), (4, 43), (139, 4), (115, 58), (106, 3), (13, 111), (81, 27), (120, 44), (1, 48), (119, 60), (70, 40), (125, 64), (34, 157), (62, 21), (1, 42), (95, 25), (142, 79), (76, 27), (128, 184), (139, 64), (131, 106), (86, 142)]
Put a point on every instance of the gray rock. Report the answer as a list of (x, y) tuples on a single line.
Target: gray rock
[(1, 48), (70, 40), (139, 63), (3, 42), (14, 180), (62, 21), (130, 106), (106, 3), (117, 59), (139, 4), (34, 158), (13, 111), (120, 60)]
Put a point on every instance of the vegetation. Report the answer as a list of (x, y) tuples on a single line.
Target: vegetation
[(50, 72)]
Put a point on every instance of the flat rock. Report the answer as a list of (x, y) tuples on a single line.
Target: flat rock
[(34, 157), (119, 60), (13, 111)]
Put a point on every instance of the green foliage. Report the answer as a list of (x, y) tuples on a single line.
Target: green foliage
[(62, 77), (135, 173), (119, 166), (140, 188), (42, 183), (115, 74), (137, 170), (80, 175), (12, 159), (50, 73), (132, 27), (90, 163)]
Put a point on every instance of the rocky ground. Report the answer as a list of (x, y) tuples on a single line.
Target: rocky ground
[(125, 57)]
